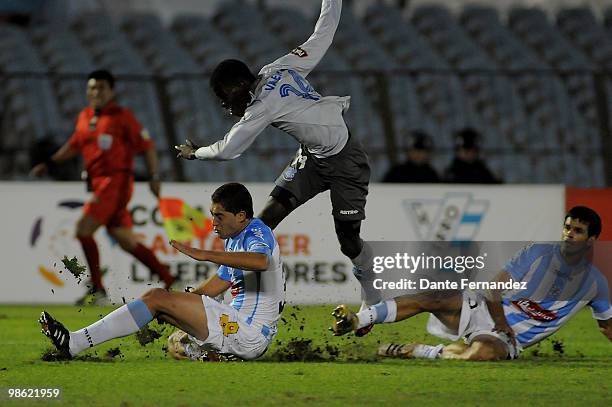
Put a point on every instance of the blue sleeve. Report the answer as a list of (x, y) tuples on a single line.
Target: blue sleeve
[(600, 305), (224, 273), (521, 263)]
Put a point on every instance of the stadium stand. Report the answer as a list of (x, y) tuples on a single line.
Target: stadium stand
[(527, 84)]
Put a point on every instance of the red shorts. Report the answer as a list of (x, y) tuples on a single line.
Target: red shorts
[(109, 203)]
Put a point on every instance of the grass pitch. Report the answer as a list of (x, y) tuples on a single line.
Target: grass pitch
[(572, 368)]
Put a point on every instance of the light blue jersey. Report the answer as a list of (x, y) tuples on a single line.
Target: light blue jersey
[(258, 296), (555, 292)]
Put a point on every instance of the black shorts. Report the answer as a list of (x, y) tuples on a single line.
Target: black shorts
[(345, 174)]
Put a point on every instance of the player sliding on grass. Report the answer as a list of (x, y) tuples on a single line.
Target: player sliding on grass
[(250, 265), (108, 137), (561, 281), (328, 159)]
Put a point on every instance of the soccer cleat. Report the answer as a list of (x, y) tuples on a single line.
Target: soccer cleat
[(55, 331), (346, 320), (396, 350)]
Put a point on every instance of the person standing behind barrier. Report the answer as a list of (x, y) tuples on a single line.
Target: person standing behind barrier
[(467, 167), (417, 167)]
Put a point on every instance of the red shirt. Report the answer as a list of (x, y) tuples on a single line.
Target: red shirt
[(109, 144)]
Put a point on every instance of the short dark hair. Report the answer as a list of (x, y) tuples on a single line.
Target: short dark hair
[(103, 75), (230, 72), (234, 197), (586, 215)]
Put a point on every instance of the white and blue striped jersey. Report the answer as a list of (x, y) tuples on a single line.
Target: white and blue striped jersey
[(284, 99), (258, 296), (555, 292)]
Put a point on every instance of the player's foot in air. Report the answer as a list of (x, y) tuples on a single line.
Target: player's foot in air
[(396, 350), (346, 321), (94, 297), (54, 330)]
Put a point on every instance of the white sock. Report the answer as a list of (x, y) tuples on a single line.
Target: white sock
[(427, 351), (383, 312), (123, 321)]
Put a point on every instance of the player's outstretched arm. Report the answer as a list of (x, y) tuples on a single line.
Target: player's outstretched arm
[(605, 327), (241, 260), (308, 55), (212, 287)]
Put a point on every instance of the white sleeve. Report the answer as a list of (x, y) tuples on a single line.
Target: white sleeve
[(240, 136), (305, 57)]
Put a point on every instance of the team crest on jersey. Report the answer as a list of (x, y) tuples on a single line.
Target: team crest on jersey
[(289, 174), (299, 52)]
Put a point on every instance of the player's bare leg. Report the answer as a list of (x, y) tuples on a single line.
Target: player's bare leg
[(483, 348), (446, 306), (129, 242), (184, 309), (277, 209)]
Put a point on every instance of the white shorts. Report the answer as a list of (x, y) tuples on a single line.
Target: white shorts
[(475, 321), (229, 333)]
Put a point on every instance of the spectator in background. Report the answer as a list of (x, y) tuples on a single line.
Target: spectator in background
[(467, 167), (416, 168)]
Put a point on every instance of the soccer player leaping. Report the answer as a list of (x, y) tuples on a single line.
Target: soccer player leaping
[(329, 158), (250, 265), (560, 280)]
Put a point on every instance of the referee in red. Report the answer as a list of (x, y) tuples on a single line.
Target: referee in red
[(108, 137)]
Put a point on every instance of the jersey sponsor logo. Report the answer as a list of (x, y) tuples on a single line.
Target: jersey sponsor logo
[(299, 51), (228, 327), (534, 311), (349, 212), (457, 216)]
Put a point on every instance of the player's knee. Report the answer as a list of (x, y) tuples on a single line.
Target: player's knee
[(155, 297), (348, 237)]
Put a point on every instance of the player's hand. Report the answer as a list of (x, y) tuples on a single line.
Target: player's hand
[(505, 328), (187, 150), (39, 170), (189, 251), (155, 187)]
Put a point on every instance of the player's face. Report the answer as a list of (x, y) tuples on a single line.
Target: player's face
[(99, 93), (226, 224), (235, 98), (575, 236)]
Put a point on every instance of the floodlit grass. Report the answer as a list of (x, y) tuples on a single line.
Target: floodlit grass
[(571, 368)]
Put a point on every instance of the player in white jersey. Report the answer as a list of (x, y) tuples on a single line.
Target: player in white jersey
[(560, 280), (328, 159), (250, 266)]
